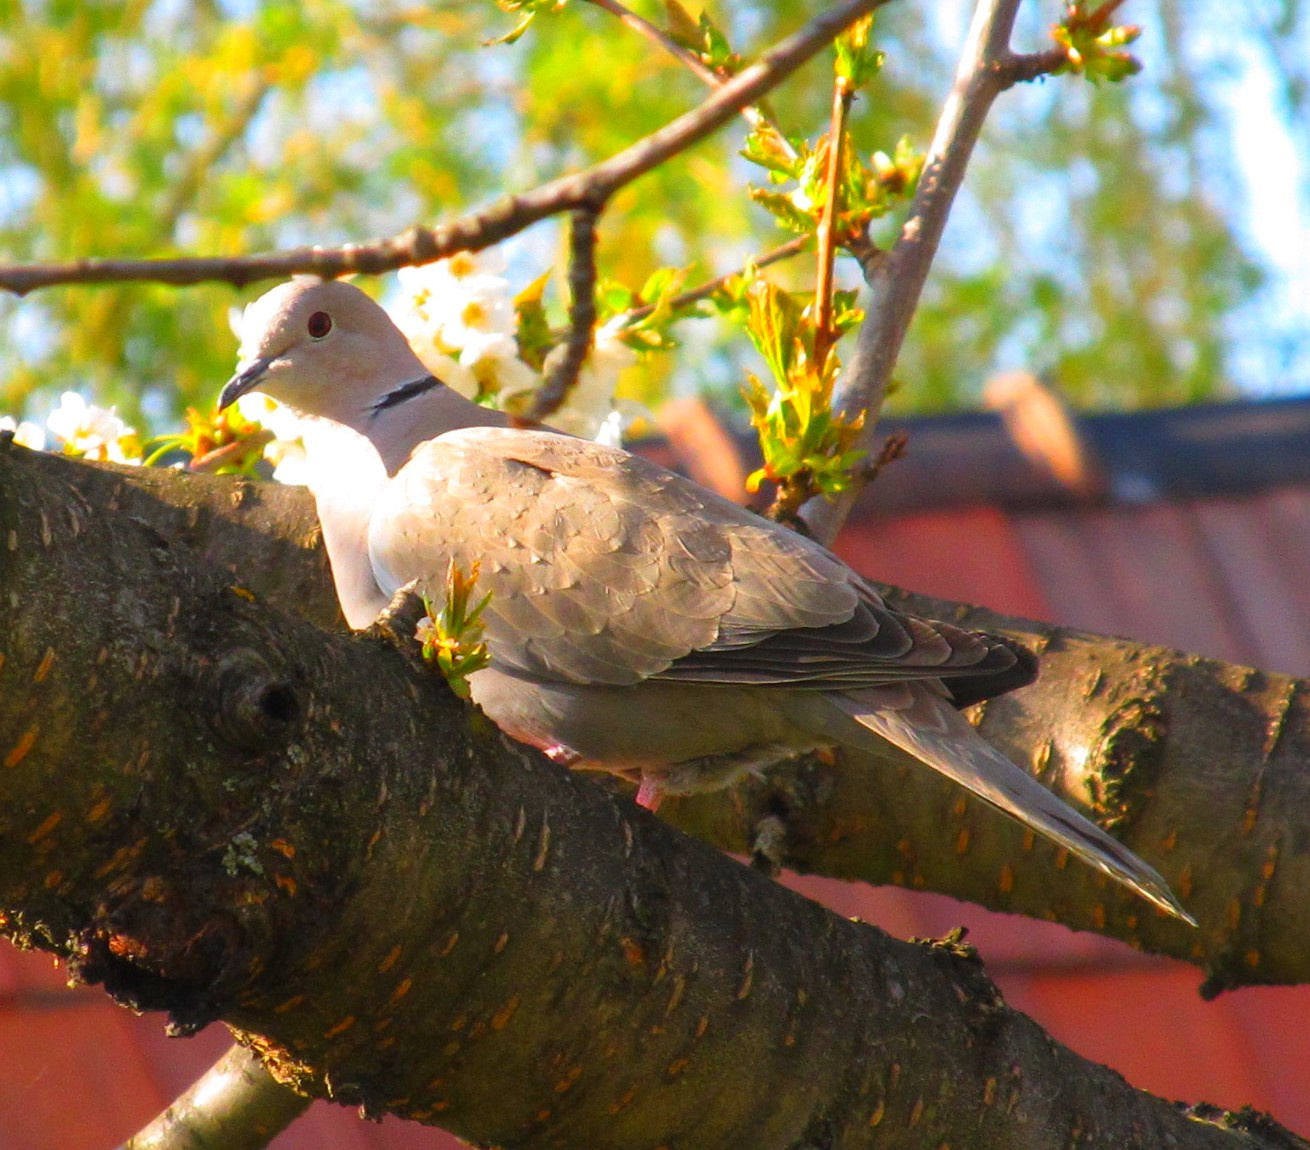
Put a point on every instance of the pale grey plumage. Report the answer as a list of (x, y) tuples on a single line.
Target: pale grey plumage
[(637, 622)]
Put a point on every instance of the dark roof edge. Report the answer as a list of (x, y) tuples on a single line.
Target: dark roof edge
[(1176, 453)]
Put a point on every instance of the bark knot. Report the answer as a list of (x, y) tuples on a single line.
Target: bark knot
[(257, 708), (1131, 747)]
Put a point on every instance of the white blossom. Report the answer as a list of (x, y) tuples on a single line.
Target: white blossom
[(458, 300), (425, 631), (26, 433), (458, 315), (481, 327), (610, 431), (503, 375), (590, 409), (92, 432)]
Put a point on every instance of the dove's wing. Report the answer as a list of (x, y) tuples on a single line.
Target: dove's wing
[(604, 568)]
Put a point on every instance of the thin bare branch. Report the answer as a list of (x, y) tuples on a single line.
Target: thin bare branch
[(1022, 68), (896, 278), (203, 160), (824, 337), (504, 218), (782, 252), (661, 39), (582, 318), (754, 116)]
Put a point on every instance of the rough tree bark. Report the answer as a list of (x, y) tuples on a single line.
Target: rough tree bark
[(220, 809), (1156, 744)]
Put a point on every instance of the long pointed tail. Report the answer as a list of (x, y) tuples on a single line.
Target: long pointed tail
[(917, 720)]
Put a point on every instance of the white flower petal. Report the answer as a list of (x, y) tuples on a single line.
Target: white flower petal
[(479, 345), (452, 305), (504, 375), (113, 452), (610, 432), (88, 430), (425, 630), (26, 433)]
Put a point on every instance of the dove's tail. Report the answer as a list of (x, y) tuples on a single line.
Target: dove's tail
[(924, 724)]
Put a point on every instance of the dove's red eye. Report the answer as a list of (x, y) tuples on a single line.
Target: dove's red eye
[(320, 323)]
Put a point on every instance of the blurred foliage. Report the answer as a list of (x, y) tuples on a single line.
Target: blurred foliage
[(1094, 241)]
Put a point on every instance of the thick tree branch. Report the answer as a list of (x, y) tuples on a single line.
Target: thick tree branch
[(1130, 733), (1196, 764), (220, 811), (234, 1105), (507, 217)]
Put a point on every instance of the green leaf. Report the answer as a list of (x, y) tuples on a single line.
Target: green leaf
[(452, 636), (532, 328), (1092, 46), (766, 146), (613, 297), (530, 10), (661, 280), (774, 319), (680, 26), (784, 210), (857, 61), (717, 53)]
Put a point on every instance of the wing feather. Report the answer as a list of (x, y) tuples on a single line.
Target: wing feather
[(604, 568)]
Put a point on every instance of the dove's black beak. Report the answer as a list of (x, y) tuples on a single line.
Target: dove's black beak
[(247, 379)]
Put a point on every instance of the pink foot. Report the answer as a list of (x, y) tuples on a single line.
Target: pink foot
[(649, 794)]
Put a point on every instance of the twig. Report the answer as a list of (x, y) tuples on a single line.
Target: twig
[(205, 158), (785, 251), (896, 277), (252, 444), (236, 1104), (1022, 68), (824, 337), (582, 317), (506, 217), (754, 116), (894, 447), (661, 39)]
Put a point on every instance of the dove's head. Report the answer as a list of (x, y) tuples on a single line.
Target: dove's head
[(323, 347)]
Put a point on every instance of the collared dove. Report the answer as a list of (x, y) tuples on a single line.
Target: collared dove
[(638, 623)]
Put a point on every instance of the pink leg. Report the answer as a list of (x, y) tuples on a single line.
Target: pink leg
[(649, 794)]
